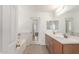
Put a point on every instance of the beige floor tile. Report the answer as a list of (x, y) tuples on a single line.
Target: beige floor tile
[(36, 49)]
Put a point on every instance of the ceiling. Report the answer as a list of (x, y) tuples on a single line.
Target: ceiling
[(41, 8), (47, 8), (44, 8)]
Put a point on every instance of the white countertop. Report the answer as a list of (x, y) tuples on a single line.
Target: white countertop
[(59, 37)]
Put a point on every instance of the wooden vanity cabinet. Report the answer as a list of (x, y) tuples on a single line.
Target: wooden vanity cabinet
[(52, 45), (55, 47)]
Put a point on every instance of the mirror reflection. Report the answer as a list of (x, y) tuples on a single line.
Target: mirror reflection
[(68, 26), (52, 25), (66, 22)]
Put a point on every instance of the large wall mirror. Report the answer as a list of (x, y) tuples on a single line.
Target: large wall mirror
[(67, 22), (53, 25)]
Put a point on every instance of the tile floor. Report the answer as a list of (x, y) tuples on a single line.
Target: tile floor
[(36, 49)]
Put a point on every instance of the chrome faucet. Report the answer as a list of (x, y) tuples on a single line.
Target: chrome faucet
[(65, 36), (53, 32)]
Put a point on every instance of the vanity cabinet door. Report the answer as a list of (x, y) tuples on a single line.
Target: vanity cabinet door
[(57, 47), (49, 43), (46, 41)]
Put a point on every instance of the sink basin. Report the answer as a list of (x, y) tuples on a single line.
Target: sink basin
[(59, 35)]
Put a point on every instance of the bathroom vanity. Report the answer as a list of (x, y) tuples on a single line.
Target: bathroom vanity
[(57, 44)]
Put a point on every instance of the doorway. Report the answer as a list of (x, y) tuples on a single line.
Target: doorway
[(35, 27)]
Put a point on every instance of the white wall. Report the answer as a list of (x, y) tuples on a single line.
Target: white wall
[(0, 28), (9, 29), (24, 19)]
